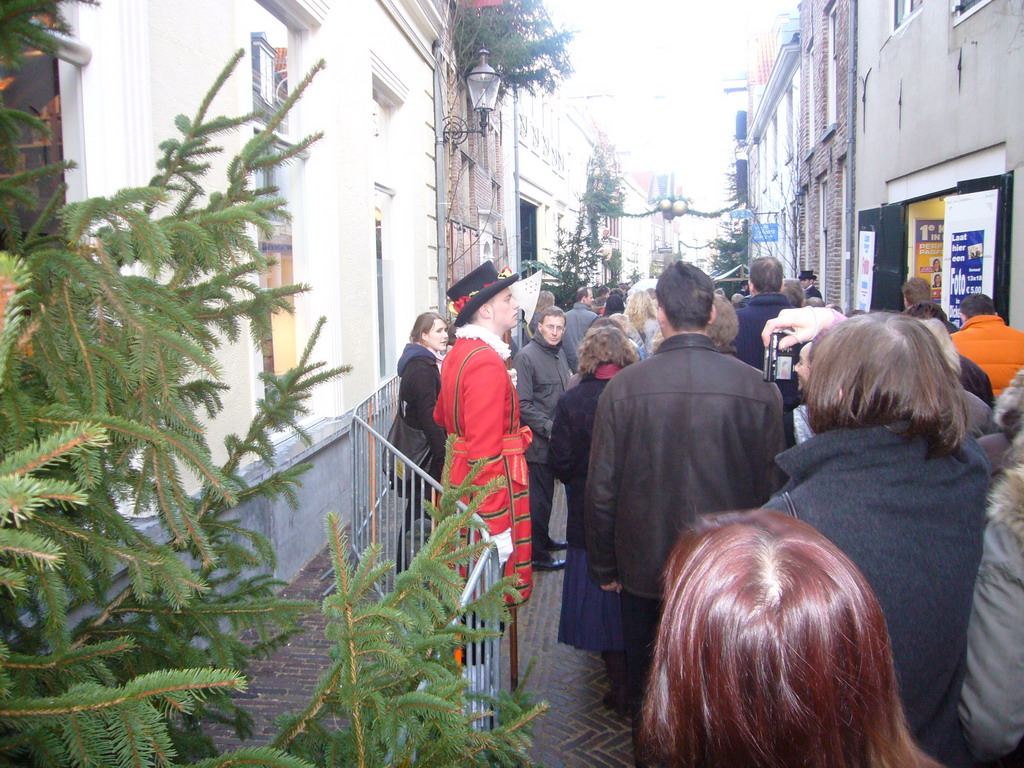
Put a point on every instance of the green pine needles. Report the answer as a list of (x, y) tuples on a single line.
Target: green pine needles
[(526, 48), (122, 641), (394, 694), (119, 642)]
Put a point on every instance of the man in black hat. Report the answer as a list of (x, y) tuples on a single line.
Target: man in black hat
[(479, 405), (807, 278)]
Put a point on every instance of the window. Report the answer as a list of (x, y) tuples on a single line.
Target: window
[(965, 5), (812, 106), (34, 88), (832, 95), (902, 10), (269, 39), (823, 228)]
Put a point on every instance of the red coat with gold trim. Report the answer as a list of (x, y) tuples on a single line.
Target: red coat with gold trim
[(479, 405)]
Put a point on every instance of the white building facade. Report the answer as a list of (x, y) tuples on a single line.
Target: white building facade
[(363, 232)]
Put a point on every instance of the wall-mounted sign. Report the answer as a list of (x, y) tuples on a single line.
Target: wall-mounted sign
[(764, 233), (968, 248), (865, 269)]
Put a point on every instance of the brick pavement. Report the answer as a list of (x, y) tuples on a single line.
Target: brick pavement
[(577, 731)]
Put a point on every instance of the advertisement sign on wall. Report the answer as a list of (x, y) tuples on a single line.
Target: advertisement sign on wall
[(968, 248), (928, 254), (865, 269)]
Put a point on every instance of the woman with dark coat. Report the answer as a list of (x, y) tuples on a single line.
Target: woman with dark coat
[(591, 619), (419, 368), (892, 478)]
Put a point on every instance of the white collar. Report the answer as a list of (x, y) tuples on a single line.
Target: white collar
[(470, 331)]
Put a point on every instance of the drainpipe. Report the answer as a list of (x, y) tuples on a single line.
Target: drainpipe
[(518, 265), (851, 166), (440, 181)]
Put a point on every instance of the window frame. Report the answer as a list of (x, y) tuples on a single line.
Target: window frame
[(905, 10)]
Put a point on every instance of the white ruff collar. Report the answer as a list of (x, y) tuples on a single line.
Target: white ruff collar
[(470, 331)]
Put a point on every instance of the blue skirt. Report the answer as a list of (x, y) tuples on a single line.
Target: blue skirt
[(591, 618)]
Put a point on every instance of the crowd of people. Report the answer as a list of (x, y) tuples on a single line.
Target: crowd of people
[(824, 569)]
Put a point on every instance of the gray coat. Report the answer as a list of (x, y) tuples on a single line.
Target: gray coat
[(541, 376), (577, 321), (992, 699)]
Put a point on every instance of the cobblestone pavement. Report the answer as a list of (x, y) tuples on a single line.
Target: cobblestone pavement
[(577, 731)]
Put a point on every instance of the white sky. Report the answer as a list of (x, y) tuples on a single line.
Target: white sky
[(653, 74)]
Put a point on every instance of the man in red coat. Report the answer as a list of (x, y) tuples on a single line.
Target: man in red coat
[(478, 404)]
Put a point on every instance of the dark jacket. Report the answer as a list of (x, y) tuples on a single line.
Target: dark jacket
[(685, 432), (418, 390), (569, 449), (913, 526), (974, 379), (577, 321), (541, 376), (750, 348)]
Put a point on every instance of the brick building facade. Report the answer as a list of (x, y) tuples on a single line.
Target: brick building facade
[(824, 123)]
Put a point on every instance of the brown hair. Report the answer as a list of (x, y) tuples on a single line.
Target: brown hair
[(976, 304), (726, 326), (551, 311), (886, 369), (766, 274), (793, 291), (923, 310), (916, 290), (605, 345), (424, 324), (545, 299), (772, 651)]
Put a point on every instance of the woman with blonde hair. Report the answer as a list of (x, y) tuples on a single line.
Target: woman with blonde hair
[(643, 319), (591, 618), (772, 652)]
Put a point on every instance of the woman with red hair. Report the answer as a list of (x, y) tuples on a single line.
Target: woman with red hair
[(772, 651)]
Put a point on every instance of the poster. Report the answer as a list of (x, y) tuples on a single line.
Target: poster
[(928, 254), (865, 269), (968, 248)]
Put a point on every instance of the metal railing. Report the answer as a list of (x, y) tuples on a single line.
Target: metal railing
[(389, 492)]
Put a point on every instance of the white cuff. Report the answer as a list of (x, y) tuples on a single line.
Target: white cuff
[(503, 541)]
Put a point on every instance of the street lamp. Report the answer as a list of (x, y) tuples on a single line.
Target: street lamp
[(483, 83)]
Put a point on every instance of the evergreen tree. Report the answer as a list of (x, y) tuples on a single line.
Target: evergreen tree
[(729, 249), (394, 694), (525, 47), (579, 258), (116, 646)]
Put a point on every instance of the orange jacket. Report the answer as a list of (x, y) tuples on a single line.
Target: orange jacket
[(993, 345)]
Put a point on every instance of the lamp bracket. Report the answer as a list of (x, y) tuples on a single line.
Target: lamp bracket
[(457, 130)]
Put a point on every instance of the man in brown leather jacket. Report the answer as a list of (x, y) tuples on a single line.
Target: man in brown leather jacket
[(686, 432)]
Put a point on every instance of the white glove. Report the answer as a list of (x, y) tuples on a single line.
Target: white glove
[(503, 541), (514, 375)]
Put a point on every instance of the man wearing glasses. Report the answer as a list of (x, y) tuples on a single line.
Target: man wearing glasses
[(542, 373)]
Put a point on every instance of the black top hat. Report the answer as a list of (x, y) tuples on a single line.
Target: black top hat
[(807, 274), (475, 289)]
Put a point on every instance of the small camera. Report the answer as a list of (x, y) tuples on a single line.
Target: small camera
[(778, 363)]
